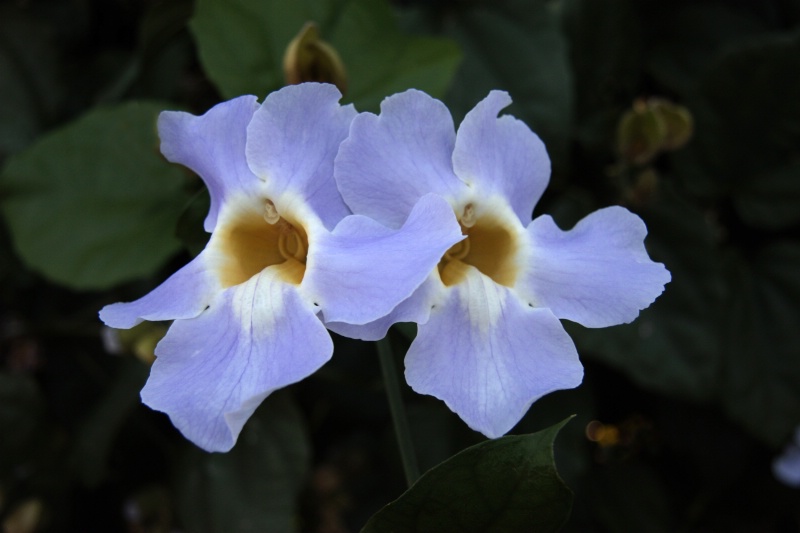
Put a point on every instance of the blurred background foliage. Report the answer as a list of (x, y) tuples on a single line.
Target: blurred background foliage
[(686, 112)]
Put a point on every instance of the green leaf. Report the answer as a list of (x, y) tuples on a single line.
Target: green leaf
[(759, 129), (252, 488), (692, 39), (190, 224), (517, 46), (630, 496), (165, 51), (766, 74), (381, 61), (161, 22), (507, 484), (759, 384), (93, 204), (771, 200), (242, 44), (605, 52), (28, 78), (95, 438), (748, 133)]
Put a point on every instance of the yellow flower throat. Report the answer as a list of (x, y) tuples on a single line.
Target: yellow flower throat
[(490, 246), (256, 240)]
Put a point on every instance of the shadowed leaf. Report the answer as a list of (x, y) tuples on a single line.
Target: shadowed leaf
[(507, 484), (94, 204)]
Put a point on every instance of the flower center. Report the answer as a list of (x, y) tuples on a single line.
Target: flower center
[(490, 246), (255, 240)]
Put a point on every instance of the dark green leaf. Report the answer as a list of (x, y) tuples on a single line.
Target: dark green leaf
[(381, 61), (630, 497), (746, 133), (21, 415), (242, 45), (241, 42), (94, 204), (759, 385), (96, 435), (252, 488), (692, 38), (28, 78), (507, 484), (517, 46), (605, 52), (165, 52), (162, 21), (766, 74), (572, 460), (190, 224), (408, 329), (772, 199)]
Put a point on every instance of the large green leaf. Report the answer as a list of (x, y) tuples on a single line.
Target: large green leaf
[(605, 52), (242, 45), (517, 46), (692, 37), (761, 157), (381, 61), (748, 137), (252, 488), (760, 383), (93, 204), (507, 484), (241, 42)]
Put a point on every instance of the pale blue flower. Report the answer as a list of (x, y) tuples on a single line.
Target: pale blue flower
[(283, 253), (489, 340), (786, 467)]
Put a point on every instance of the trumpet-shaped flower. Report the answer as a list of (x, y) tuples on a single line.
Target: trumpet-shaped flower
[(284, 252), (786, 466), (489, 341)]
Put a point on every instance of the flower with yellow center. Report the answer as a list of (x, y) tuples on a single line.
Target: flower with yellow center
[(285, 253), (489, 341)]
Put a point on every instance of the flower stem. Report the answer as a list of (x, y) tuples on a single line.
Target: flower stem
[(390, 377)]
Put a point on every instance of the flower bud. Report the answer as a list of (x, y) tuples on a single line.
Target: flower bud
[(309, 58), (650, 127)]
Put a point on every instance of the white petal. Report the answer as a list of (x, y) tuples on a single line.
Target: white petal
[(489, 356), (292, 142), (213, 146), (390, 161), (212, 371), (597, 274), (501, 156), (185, 294)]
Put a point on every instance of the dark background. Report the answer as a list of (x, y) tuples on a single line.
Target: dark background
[(686, 112)]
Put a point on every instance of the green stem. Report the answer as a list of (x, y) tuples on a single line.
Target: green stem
[(390, 377)]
